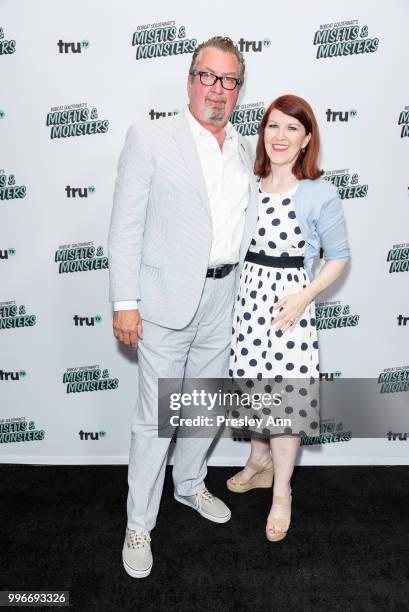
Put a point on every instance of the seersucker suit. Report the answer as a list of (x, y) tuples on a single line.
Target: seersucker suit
[(159, 244)]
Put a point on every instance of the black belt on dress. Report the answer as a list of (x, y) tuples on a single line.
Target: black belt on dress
[(220, 271), (275, 262)]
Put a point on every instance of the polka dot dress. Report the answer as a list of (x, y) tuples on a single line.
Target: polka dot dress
[(262, 359)]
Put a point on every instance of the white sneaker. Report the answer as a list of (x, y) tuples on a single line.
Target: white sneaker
[(207, 505), (136, 554)]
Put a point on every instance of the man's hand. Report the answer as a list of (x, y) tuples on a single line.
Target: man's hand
[(127, 325)]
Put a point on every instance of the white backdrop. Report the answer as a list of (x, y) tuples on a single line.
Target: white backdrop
[(55, 55)]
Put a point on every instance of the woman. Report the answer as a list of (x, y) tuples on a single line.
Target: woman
[(274, 335)]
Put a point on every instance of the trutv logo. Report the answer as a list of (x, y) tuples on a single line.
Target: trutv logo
[(88, 321), (6, 253), (12, 375), (91, 435), (80, 192), (246, 46), (72, 47), (153, 114), (330, 375), (340, 115)]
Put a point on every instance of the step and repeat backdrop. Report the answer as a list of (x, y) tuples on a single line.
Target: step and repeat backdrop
[(74, 76)]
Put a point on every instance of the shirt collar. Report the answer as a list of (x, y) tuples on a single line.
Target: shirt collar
[(198, 129)]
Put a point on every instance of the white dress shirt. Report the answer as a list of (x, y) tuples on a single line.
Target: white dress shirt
[(227, 184)]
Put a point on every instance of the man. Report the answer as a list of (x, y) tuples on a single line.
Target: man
[(183, 217)]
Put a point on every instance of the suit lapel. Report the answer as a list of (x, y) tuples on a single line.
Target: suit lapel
[(252, 208), (188, 151)]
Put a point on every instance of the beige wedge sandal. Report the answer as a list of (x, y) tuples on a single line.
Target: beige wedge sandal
[(282, 523), (262, 479)]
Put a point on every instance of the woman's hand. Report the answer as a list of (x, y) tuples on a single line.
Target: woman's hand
[(293, 307)]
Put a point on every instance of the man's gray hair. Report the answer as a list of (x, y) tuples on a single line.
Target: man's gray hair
[(224, 43)]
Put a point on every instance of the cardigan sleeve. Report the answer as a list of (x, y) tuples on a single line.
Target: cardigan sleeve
[(331, 227)]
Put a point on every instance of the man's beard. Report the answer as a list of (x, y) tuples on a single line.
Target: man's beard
[(213, 114)]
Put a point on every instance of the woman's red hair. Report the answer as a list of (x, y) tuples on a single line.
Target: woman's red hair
[(305, 165)]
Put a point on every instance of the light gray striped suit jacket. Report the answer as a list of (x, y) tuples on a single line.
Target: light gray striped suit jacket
[(161, 230)]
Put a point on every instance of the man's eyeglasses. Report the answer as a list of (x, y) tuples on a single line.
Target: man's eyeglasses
[(208, 79)]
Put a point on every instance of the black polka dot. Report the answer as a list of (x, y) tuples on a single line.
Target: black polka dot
[(289, 366), (254, 307), (247, 316), (253, 242), (270, 210), (244, 351), (278, 356), (278, 275), (303, 322), (240, 372), (286, 202), (266, 411), (265, 200), (275, 222), (268, 388), (284, 254), (289, 276), (278, 378), (303, 369), (249, 329), (261, 231), (268, 366), (303, 391), (297, 230), (253, 294), (240, 338), (302, 413), (288, 430), (257, 342), (314, 425), (290, 344), (313, 403), (315, 344), (304, 346), (288, 410), (253, 362), (291, 214), (261, 320), (272, 244), (249, 383), (283, 235), (279, 333), (301, 244), (289, 388)]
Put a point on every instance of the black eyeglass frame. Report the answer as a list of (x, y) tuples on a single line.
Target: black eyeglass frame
[(199, 73)]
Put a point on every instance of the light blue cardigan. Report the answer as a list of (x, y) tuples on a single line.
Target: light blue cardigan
[(320, 216)]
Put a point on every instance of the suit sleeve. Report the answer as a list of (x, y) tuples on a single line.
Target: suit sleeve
[(331, 228), (131, 197)]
